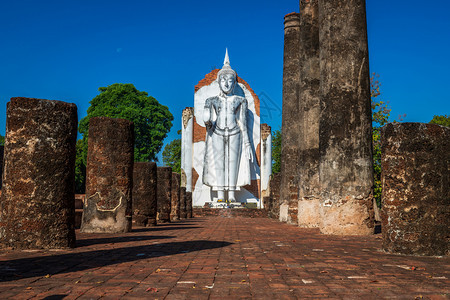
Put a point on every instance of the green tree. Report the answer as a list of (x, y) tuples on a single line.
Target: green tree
[(2, 140), (380, 116), (443, 120), (172, 155), (276, 151), (152, 121)]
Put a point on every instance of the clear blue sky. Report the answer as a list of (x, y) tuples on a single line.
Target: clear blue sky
[(66, 50)]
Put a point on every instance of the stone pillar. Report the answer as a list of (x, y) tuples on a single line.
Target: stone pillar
[(189, 213), (266, 161), (37, 205), (2, 151), (109, 176), (144, 194), (164, 194), (187, 131), (274, 210), (309, 116), (175, 197), (345, 128), (183, 211), (416, 196), (289, 146)]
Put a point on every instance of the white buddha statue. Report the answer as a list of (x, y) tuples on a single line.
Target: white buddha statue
[(228, 151)]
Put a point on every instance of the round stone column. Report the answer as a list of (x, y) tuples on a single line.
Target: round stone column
[(164, 194), (289, 128), (37, 206), (416, 196), (175, 197), (109, 176), (183, 212), (345, 126), (144, 194)]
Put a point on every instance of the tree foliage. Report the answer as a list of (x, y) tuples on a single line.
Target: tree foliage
[(152, 121), (2, 140), (172, 155), (276, 151), (443, 120), (380, 117)]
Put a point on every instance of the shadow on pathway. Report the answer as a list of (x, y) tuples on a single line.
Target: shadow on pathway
[(79, 261)]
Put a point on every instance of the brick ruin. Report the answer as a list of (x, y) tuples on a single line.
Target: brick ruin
[(144, 194), (175, 197), (189, 213), (37, 200), (164, 194), (326, 154), (109, 176), (416, 194), (273, 208)]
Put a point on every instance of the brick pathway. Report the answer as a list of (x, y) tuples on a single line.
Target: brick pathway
[(222, 258)]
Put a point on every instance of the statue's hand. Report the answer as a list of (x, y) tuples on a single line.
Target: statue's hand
[(249, 152)]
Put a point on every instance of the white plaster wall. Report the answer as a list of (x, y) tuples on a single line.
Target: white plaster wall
[(266, 164), (187, 151), (203, 193)]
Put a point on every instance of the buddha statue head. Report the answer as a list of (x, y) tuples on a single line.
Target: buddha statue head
[(226, 76)]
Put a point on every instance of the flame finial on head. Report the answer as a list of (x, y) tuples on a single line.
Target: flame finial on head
[(226, 69)]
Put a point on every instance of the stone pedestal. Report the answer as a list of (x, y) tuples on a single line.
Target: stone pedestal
[(183, 211), (175, 197), (345, 127), (309, 115), (109, 176), (164, 194), (37, 207), (144, 194), (189, 213), (290, 145), (416, 195)]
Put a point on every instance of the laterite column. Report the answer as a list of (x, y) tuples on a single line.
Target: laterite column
[(175, 197), (164, 194), (109, 176), (37, 205), (144, 194)]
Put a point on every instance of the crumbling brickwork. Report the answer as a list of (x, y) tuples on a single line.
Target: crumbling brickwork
[(109, 176), (37, 208), (416, 195), (175, 197), (164, 194), (290, 145), (144, 194)]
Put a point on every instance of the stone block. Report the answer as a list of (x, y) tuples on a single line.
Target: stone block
[(175, 197), (189, 213), (416, 196), (109, 176), (308, 213), (164, 194), (183, 211), (37, 207), (144, 194)]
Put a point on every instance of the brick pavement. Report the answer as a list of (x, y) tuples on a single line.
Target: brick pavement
[(222, 258)]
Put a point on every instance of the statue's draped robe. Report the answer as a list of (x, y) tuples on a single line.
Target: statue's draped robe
[(224, 167)]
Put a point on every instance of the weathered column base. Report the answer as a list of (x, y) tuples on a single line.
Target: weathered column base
[(144, 221), (308, 213), (346, 217), (97, 220)]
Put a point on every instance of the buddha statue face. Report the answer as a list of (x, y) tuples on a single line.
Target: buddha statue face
[(227, 82)]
